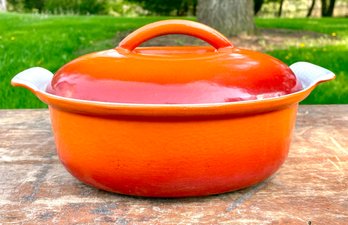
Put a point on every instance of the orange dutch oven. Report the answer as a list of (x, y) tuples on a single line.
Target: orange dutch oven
[(173, 121)]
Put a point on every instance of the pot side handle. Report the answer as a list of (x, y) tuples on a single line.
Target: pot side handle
[(35, 79), (198, 30), (310, 74)]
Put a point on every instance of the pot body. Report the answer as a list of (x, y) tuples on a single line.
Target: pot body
[(174, 156)]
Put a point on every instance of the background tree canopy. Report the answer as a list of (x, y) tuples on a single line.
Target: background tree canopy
[(263, 8), (151, 7), (167, 7), (61, 6)]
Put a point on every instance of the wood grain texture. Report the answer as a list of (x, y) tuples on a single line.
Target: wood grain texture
[(312, 185)]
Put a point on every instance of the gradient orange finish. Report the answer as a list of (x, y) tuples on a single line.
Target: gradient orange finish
[(174, 151), (174, 75)]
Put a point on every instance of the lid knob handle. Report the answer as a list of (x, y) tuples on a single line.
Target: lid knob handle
[(198, 30)]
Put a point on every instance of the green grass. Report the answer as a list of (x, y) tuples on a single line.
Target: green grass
[(333, 56), (321, 25), (51, 41)]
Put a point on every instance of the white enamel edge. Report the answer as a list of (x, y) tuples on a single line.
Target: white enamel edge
[(35, 78), (311, 74)]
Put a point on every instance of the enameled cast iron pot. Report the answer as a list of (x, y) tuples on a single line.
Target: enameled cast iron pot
[(173, 121)]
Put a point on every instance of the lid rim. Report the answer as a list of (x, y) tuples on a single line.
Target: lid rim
[(239, 108)]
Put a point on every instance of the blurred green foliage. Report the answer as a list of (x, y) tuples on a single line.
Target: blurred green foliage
[(82, 7), (168, 7), (262, 8), (118, 7), (76, 6)]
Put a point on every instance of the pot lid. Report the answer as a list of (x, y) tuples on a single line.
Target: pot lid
[(174, 75)]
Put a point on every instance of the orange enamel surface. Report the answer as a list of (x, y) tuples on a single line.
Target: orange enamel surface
[(173, 150), (190, 131), (173, 156), (174, 75), (198, 30), (145, 77)]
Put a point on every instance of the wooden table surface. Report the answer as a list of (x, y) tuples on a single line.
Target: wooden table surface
[(310, 188)]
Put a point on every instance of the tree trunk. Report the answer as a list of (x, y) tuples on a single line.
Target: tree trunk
[(3, 5), (323, 7), (310, 10), (327, 10), (194, 9), (280, 8), (230, 17), (331, 8), (257, 6)]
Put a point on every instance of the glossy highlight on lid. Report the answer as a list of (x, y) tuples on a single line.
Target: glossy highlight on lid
[(174, 75)]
